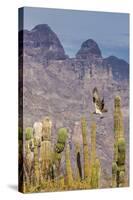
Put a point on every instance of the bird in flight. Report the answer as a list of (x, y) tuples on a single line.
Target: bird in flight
[(99, 104)]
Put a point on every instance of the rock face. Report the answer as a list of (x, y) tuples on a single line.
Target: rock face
[(42, 43), (60, 87), (119, 67), (88, 49)]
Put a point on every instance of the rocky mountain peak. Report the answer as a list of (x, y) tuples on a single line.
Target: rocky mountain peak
[(120, 67), (42, 27), (89, 48), (43, 43)]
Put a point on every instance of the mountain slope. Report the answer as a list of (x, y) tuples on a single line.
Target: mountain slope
[(57, 86)]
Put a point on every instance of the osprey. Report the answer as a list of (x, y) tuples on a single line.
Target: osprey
[(99, 104)]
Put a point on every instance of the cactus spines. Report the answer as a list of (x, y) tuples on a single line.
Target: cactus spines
[(85, 149), (118, 165), (69, 176)]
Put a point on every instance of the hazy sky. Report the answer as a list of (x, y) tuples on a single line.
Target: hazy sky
[(109, 30)]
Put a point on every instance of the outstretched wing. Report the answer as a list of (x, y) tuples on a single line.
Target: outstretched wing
[(95, 95), (102, 104)]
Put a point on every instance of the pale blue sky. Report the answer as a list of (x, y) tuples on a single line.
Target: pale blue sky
[(109, 30)]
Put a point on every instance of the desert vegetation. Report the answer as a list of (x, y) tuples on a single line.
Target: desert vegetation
[(40, 159)]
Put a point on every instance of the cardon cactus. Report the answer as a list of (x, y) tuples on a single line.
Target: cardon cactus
[(45, 150), (46, 129), (45, 158), (28, 155), (37, 130), (69, 176), (36, 164), (28, 133), (121, 178), (118, 119), (121, 162), (118, 166), (85, 149), (59, 147), (95, 163), (78, 160), (114, 173), (93, 142), (20, 168), (77, 141), (56, 160), (121, 151), (61, 140), (93, 181), (62, 135)]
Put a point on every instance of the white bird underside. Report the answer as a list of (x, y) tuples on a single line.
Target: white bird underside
[(97, 110)]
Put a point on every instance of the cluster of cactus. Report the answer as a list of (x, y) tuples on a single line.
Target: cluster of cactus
[(45, 166), (118, 165), (42, 163)]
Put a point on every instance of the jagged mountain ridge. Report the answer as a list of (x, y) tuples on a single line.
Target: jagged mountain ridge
[(119, 67), (62, 88), (41, 42)]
